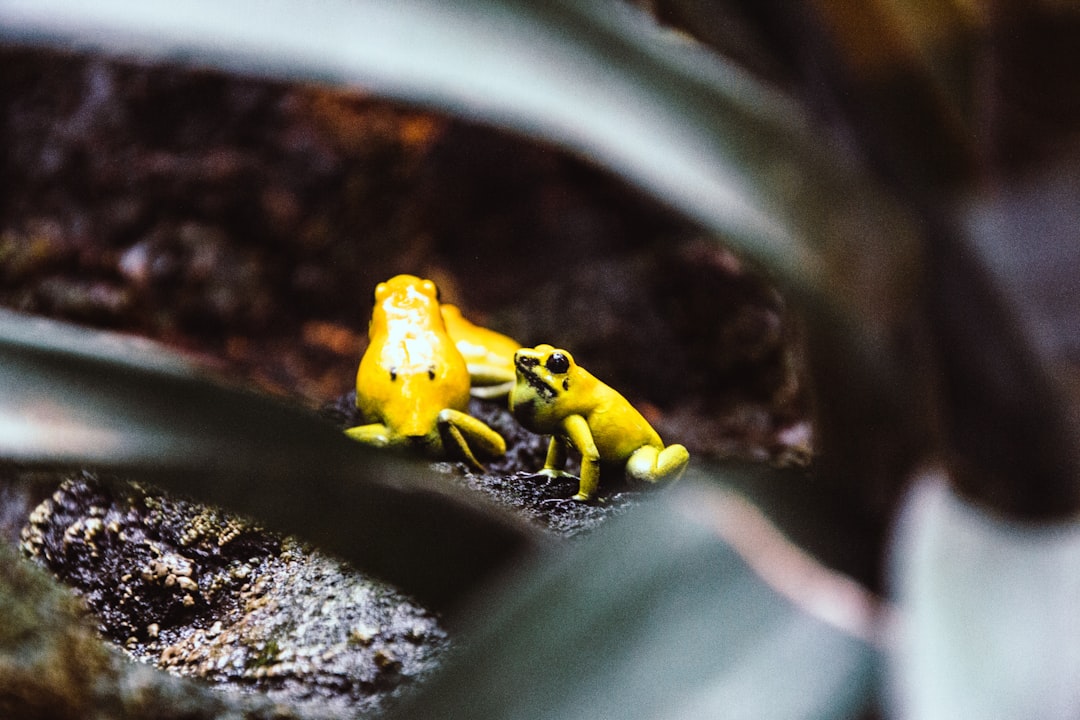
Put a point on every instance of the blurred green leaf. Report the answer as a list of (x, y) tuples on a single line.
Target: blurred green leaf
[(72, 396), (659, 615), (964, 110), (598, 78), (716, 638), (989, 624)]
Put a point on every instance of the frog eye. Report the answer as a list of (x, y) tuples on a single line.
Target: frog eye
[(557, 363)]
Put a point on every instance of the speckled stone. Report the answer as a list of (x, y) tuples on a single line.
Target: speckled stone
[(206, 594)]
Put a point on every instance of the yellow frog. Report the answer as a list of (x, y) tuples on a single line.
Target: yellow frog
[(555, 396), (412, 383), (489, 355)]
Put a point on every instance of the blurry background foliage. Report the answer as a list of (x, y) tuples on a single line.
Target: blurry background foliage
[(903, 171)]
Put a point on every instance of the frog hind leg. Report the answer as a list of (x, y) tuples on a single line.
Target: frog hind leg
[(376, 434), (490, 382), (461, 433), (492, 392), (653, 464)]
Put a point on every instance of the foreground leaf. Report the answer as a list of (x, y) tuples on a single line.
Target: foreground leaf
[(690, 607), (78, 397), (596, 78), (989, 612)]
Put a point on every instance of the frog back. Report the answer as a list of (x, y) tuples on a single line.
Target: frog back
[(479, 345), (411, 370), (617, 427)]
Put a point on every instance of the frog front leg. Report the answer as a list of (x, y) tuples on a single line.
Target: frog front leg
[(581, 437), (375, 434), (653, 464), (462, 433), (556, 459)]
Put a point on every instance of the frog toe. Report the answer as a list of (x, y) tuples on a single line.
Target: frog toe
[(672, 462), (376, 434)]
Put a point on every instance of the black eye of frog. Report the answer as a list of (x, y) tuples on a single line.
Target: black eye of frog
[(557, 363)]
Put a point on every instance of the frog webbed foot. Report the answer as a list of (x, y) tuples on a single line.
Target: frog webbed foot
[(553, 474), (375, 434), (547, 476)]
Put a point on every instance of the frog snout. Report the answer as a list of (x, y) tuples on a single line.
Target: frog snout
[(525, 361)]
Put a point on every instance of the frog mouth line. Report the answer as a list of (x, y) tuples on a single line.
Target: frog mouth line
[(535, 381)]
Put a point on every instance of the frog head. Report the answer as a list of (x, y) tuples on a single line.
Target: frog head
[(548, 386), (544, 369), (405, 299)]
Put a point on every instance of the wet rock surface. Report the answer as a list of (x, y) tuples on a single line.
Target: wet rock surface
[(205, 594), (53, 665)]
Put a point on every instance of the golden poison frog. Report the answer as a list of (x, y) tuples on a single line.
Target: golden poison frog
[(413, 384), (555, 396), (489, 355)]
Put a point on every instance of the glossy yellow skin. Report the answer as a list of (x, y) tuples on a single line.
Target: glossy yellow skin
[(489, 355), (412, 383), (555, 396)]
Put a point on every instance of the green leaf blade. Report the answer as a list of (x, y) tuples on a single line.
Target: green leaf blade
[(70, 396)]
